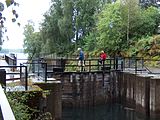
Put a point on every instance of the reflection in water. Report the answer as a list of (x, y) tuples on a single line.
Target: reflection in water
[(105, 112)]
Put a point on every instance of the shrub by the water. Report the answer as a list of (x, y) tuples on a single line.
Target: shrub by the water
[(25, 105)]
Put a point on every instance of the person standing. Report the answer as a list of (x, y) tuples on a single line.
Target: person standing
[(81, 59), (103, 57)]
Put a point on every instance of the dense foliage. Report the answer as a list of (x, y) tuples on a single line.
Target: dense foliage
[(26, 104), (18, 102), (32, 43), (93, 25), (120, 26), (67, 22)]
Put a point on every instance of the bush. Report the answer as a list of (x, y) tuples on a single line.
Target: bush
[(22, 104)]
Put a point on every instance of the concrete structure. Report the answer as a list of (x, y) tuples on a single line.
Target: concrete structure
[(84, 89), (139, 91), (53, 104)]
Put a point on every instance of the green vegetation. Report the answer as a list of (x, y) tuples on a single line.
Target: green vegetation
[(94, 25), (32, 41), (25, 105), (65, 25), (122, 26)]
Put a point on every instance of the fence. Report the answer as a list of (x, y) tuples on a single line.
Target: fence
[(13, 73), (44, 68), (47, 68)]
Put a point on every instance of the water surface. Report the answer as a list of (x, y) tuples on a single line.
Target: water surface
[(105, 112)]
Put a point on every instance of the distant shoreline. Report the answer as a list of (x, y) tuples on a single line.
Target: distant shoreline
[(6, 51)]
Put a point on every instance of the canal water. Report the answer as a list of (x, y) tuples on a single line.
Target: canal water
[(105, 112)]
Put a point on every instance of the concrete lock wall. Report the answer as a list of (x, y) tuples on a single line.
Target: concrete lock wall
[(82, 89), (137, 91), (52, 103), (155, 97), (140, 92), (126, 89)]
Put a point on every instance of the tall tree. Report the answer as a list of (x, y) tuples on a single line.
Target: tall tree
[(32, 41), (110, 28), (68, 22), (122, 24), (56, 28)]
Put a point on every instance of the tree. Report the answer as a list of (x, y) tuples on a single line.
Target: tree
[(122, 24), (90, 42), (56, 28), (110, 28), (32, 41), (68, 22)]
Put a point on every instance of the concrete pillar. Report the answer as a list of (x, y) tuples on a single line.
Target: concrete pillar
[(155, 98), (54, 99), (54, 102), (75, 91), (143, 95)]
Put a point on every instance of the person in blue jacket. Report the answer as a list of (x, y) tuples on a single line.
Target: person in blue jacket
[(81, 59)]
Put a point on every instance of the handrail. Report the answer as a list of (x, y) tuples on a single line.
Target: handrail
[(7, 112), (20, 72), (148, 69)]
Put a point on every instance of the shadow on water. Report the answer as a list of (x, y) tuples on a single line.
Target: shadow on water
[(105, 112)]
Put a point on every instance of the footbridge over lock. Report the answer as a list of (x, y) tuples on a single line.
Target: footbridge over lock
[(118, 80), (127, 81)]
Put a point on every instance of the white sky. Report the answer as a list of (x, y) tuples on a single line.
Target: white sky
[(27, 10)]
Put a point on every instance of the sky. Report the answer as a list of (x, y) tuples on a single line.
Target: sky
[(27, 10)]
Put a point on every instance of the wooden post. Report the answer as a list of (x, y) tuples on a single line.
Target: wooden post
[(74, 89), (124, 90), (147, 96), (119, 75), (81, 89), (89, 93), (54, 101), (94, 88), (89, 65)]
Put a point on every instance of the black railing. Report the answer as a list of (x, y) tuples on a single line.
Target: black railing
[(72, 64), (11, 71), (48, 67), (133, 63)]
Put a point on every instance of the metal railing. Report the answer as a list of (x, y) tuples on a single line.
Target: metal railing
[(48, 67), (71, 65), (11, 71)]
